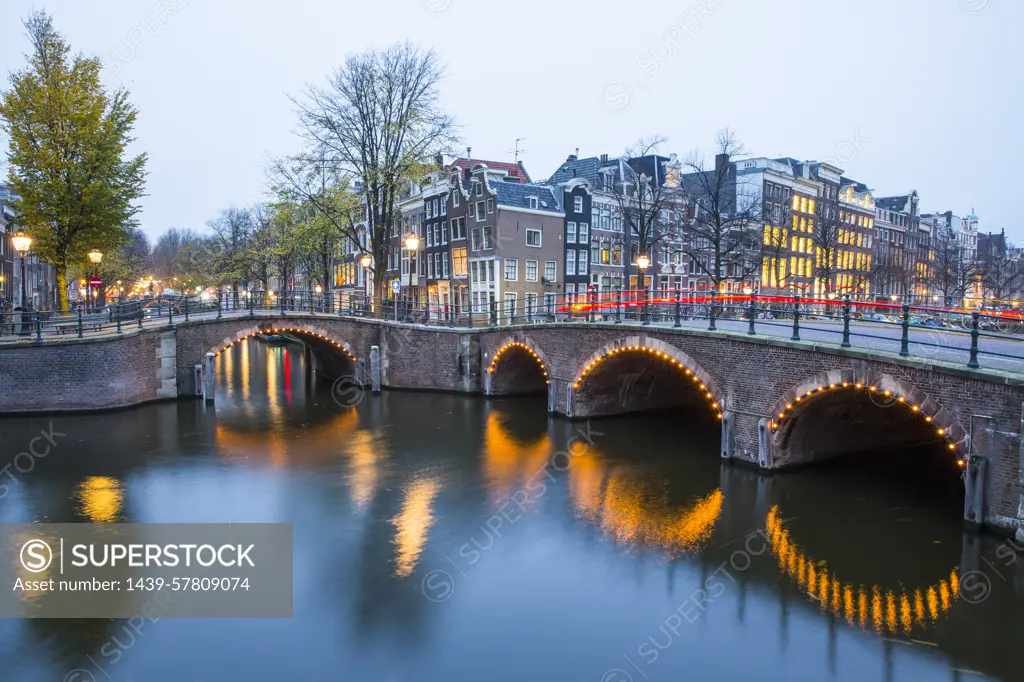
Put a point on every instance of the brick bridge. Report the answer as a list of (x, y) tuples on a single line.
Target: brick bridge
[(781, 403)]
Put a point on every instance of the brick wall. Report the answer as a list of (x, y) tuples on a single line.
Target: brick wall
[(80, 374)]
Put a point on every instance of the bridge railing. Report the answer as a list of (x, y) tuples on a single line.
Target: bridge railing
[(949, 333)]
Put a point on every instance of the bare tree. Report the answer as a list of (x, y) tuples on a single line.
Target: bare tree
[(377, 122), (1001, 273), (229, 245), (726, 216), (953, 273), (170, 252), (645, 197), (826, 237)]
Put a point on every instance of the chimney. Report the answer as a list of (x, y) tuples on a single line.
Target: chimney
[(577, 152), (469, 162), (570, 158), (721, 162), (439, 161), (604, 158)]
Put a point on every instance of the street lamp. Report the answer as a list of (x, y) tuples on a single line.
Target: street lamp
[(21, 243), (96, 257), (318, 289), (642, 263)]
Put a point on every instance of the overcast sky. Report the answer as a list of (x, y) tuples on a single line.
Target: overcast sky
[(903, 94)]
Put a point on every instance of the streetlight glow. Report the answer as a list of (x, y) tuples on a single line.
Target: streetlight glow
[(365, 260), (21, 242), (412, 242), (642, 262), (318, 289), (96, 256)]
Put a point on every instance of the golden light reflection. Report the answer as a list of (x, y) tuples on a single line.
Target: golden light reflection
[(100, 498), (890, 610), (634, 510), (319, 441), (413, 524), (507, 461), (245, 370), (363, 469)]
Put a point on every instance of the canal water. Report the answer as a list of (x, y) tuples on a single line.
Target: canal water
[(442, 537)]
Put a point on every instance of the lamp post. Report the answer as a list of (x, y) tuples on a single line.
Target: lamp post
[(22, 242), (642, 263), (412, 245), (95, 257), (366, 261)]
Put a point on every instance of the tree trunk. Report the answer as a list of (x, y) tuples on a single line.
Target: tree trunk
[(62, 288)]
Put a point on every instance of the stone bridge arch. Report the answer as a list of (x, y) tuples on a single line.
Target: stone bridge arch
[(632, 380), (841, 411), (329, 355), (518, 366)]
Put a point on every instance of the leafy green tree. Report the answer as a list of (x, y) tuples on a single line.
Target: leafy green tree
[(67, 141)]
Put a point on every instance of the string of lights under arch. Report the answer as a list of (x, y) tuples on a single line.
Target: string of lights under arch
[(246, 334), (526, 346), (687, 367), (890, 392)]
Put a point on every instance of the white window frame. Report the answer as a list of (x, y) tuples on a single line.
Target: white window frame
[(540, 238), (570, 262), (481, 211), (552, 266), (536, 270), (534, 202), (514, 263), (490, 205), (577, 204), (584, 234), (570, 232)]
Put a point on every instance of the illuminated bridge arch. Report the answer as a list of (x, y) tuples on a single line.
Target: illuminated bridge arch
[(623, 376), (884, 610), (518, 366), (330, 356), (839, 412)]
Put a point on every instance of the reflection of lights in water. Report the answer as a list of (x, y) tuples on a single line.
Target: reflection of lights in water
[(364, 469), (413, 523), (632, 512), (245, 369), (227, 359), (319, 441), (508, 461), (101, 498), (889, 610)]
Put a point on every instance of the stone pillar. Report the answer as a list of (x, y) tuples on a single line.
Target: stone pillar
[(375, 369), (488, 376), (208, 378), (197, 379), (167, 361), (552, 395), (974, 501), (727, 435), (765, 453), (568, 399)]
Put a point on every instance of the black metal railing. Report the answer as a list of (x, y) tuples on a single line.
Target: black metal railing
[(947, 333)]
